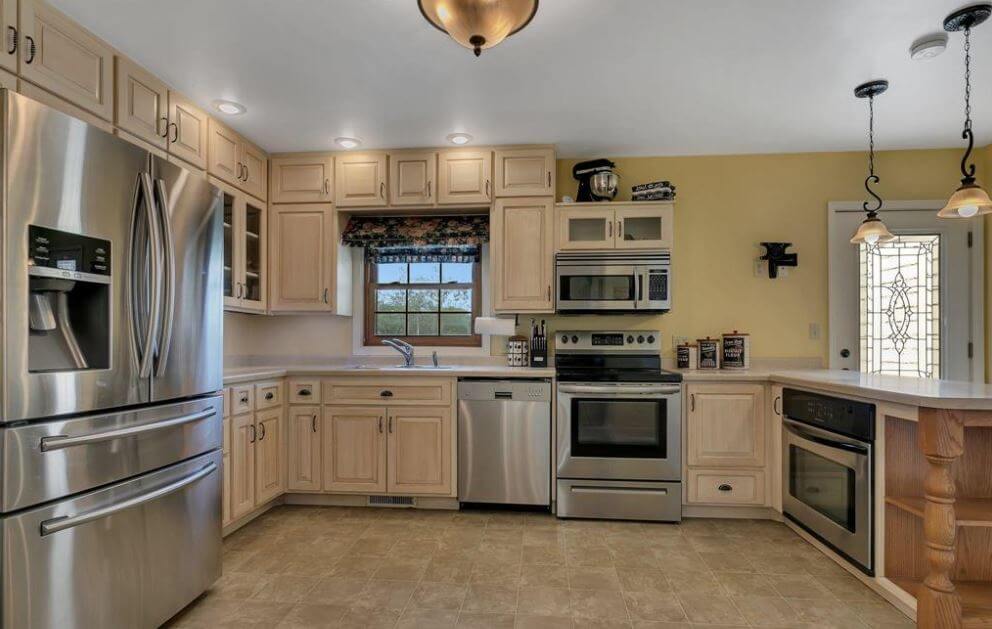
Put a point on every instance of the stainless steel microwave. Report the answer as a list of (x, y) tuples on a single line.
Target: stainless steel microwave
[(613, 281)]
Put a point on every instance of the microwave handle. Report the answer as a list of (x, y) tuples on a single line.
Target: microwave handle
[(640, 286)]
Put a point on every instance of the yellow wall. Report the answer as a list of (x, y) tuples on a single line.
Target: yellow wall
[(726, 205)]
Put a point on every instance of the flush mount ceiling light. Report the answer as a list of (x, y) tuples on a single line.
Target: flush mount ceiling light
[(969, 199), (478, 24), (872, 229), (459, 138), (229, 107), (928, 47), (347, 143)]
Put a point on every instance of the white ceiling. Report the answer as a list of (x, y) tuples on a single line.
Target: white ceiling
[(623, 77)]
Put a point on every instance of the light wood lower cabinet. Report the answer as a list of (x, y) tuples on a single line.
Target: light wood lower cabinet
[(419, 449), (522, 254), (242, 465), (270, 472), (726, 425), (354, 448), (304, 448)]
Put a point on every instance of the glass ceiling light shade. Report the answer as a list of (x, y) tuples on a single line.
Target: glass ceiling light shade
[(478, 24), (969, 199), (872, 230)]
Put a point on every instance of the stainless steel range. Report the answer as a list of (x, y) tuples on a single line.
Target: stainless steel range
[(619, 435), (110, 468)]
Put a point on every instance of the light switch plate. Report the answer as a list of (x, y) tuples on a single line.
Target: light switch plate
[(814, 331)]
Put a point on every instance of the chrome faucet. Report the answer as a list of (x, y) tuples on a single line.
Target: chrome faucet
[(403, 348)]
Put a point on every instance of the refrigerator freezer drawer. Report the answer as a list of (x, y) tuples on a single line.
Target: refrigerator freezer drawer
[(619, 500), (129, 555), (45, 461)]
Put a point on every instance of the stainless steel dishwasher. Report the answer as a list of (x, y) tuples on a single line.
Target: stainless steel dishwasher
[(504, 441)]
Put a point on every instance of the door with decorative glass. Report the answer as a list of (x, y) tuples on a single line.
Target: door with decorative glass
[(912, 306)]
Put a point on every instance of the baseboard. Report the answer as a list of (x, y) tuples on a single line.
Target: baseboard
[(248, 517), (361, 500), (747, 513)]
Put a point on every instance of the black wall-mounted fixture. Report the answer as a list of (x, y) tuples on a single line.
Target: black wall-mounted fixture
[(776, 256)]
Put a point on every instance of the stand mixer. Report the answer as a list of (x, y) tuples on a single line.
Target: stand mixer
[(597, 179)]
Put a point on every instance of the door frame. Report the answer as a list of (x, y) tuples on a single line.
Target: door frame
[(976, 270)]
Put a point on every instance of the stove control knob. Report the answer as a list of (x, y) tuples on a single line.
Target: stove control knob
[(650, 339), (630, 338), (640, 338), (575, 339), (564, 339)]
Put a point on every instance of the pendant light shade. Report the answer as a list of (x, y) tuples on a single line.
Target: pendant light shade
[(871, 231), (478, 24), (967, 201)]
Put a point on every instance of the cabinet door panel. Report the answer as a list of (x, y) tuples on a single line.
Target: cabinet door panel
[(187, 130), (223, 153), (8, 21), (233, 283), (308, 179), (522, 255), (270, 476), (242, 465), (411, 178), (254, 255), (66, 59), (644, 227), (419, 450), (354, 449), (302, 243), (525, 172), (304, 448), (726, 425), (585, 228), (255, 166), (142, 103), (464, 176), (360, 180)]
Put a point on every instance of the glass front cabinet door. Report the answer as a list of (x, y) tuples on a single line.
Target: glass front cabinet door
[(244, 251), (597, 226)]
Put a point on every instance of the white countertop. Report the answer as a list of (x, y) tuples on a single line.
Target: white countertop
[(247, 374)]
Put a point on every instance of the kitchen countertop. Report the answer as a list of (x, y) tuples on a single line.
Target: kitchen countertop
[(247, 374)]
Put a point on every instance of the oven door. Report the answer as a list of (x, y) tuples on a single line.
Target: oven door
[(596, 287), (826, 488), (619, 431)]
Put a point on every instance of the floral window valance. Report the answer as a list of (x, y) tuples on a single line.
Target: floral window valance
[(416, 231)]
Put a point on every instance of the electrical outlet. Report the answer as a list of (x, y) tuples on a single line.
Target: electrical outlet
[(679, 340), (814, 331)]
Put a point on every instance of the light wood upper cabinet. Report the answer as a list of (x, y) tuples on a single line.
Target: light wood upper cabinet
[(648, 227), (585, 228), (522, 254), (464, 176), (726, 425), (302, 242), (255, 169), (354, 449), (224, 153), (627, 225), (62, 57), (142, 103), (360, 179), (304, 460), (270, 470), (302, 179), (187, 130), (419, 446), (242, 465), (8, 25), (412, 177), (246, 271), (525, 172)]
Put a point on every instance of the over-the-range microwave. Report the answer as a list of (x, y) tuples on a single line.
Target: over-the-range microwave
[(613, 281)]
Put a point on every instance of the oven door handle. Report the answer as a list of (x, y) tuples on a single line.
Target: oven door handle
[(797, 429), (619, 390)]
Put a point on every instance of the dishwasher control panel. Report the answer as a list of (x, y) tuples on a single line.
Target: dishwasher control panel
[(505, 390)]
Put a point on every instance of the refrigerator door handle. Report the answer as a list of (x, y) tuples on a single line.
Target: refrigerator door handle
[(137, 283), (60, 442), (169, 254)]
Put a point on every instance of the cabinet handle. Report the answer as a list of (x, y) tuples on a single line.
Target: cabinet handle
[(303, 392), (428, 188), (692, 401), (313, 423), (725, 487), (31, 49), (609, 226), (620, 229), (12, 48), (325, 297), (382, 189), (269, 395), (549, 179), (254, 434), (390, 420), (165, 133), (549, 292), (237, 171), (380, 425), (775, 405), (327, 186), (386, 393), (175, 132), (487, 188), (262, 426), (247, 176)]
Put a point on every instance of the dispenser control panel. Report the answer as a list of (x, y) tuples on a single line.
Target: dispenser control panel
[(68, 252)]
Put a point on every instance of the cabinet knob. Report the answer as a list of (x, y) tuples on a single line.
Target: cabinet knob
[(386, 393), (304, 392), (725, 487), (244, 399), (269, 395)]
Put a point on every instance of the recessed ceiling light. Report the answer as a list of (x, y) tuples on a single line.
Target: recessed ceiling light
[(347, 143), (229, 107), (459, 138), (928, 47)]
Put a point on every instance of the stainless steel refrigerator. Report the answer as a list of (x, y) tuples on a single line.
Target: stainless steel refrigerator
[(111, 433)]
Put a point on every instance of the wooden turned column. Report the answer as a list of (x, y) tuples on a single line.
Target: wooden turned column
[(941, 439)]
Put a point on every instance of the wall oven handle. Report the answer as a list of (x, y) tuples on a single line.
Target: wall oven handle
[(169, 252), (62, 523), (59, 442), (797, 430), (619, 390)]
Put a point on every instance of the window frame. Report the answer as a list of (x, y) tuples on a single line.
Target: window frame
[(370, 339)]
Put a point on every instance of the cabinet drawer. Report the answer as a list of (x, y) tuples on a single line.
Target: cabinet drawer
[(745, 487), (241, 399), (304, 391), (268, 395), (432, 391)]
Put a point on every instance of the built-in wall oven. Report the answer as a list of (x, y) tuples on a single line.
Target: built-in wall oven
[(619, 428), (827, 457), (613, 281)]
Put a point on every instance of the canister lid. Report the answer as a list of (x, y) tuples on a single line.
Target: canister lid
[(736, 333)]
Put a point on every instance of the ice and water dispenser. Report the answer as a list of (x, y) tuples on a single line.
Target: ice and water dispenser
[(68, 301)]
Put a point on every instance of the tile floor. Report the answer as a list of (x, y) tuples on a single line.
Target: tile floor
[(298, 567)]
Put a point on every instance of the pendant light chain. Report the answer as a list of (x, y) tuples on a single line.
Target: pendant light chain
[(871, 136), (967, 78)]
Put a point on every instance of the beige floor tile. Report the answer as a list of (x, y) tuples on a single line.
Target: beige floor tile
[(439, 596), (847, 588), (598, 604), (727, 561), (239, 585), (878, 615), (473, 620), (542, 601), (641, 580), (600, 623), (492, 599), (709, 608), (654, 606), (390, 595), (548, 555), (583, 578), (258, 614), (443, 570), (356, 567), (307, 616), (766, 611), (539, 575), (799, 586), (375, 546), (825, 613), (336, 590), (502, 574), (285, 588), (746, 584), (368, 619), (694, 582), (577, 555), (655, 624), (778, 563), (427, 619), (401, 569), (524, 621)]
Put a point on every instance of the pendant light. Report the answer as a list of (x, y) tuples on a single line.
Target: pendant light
[(969, 199), (478, 24), (872, 229)]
